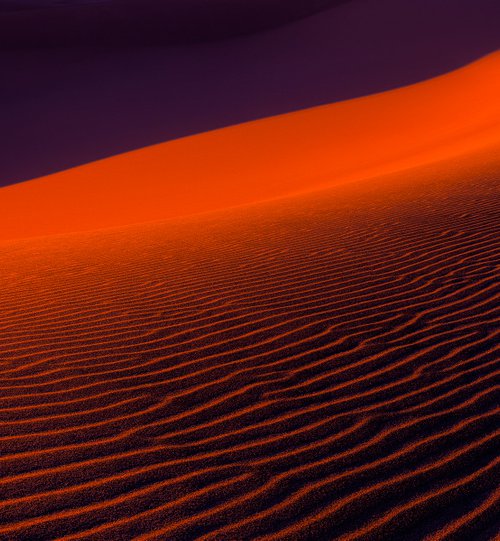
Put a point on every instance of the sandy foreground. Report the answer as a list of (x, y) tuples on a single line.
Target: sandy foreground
[(316, 367)]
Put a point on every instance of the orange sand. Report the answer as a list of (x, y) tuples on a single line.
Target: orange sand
[(318, 367), (448, 116)]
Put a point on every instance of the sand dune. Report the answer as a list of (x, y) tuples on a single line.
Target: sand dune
[(444, 117), (319, 367), (286, 329), (66, 106)]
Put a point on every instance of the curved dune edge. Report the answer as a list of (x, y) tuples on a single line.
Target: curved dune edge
[(448, 116), (92, 105), (144, 22), (325, 367)]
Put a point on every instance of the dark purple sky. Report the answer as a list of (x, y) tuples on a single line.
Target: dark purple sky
[(65, 105)]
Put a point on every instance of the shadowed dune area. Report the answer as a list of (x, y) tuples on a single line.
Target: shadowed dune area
[(51, 23), (448, 116), (323, 366)]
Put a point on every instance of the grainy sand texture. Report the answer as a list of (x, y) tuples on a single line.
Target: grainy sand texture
[(320, 367), (285, 328)]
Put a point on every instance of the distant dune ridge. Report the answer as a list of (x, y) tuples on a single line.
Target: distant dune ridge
[(42, 23), (319, 367)]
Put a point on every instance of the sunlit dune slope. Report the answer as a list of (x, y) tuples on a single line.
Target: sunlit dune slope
[(318, 367), (453, 114)]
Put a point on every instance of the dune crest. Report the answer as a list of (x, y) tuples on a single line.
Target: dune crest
[(92, 104), (448, 116), (451, 115)]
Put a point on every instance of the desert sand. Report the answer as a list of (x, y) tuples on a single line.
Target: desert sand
[(286, 329), (323, 366)]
